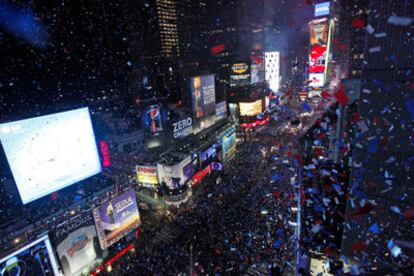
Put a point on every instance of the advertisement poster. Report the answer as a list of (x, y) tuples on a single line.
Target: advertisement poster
[(36, 258), (147, 175), (116, 218), (155, 120), (221, 111), (177, 175), (318, 48), (251, 109), (240, 74), (316, 80), (182, 128), (203, 95), (77, 244)]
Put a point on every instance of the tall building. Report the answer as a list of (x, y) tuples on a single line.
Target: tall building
[(379, 218)]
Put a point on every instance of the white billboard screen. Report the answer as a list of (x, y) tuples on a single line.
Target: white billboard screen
[(50, 152), (272, 72)]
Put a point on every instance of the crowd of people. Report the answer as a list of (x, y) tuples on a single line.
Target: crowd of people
[(238, 221)]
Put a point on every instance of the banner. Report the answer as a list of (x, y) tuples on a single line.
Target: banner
[(147, 175), (116, 218), (77, 244)]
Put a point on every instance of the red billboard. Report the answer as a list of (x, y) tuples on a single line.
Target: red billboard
[(319, 31)]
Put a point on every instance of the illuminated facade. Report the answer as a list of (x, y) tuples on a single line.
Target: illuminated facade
[(167, 22)]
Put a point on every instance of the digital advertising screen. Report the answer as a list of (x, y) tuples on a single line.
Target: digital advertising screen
[(154, 119), (272, 70), (203, 97), (316, 80), (229, 145), (49, 153), (175, 176), (208, 153), (182, 127), (147, 175), (221, 111), (77, 244), (116, 218), (322, 9), (318, 45), (35, 258), (251, 109), (240, 74)]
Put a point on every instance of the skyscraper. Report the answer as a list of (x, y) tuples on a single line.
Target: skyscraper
[(378, 220)]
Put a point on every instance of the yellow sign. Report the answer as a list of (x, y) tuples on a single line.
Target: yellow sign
[(147, 175), (251, 109), (240, 68)]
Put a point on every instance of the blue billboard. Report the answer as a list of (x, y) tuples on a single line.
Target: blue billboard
[(203, 98), (322, 9)]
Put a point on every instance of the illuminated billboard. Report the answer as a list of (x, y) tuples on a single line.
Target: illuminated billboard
[(116, 218), (49, 153), (322, 9), (203, 97), (35, 258), (221, 111), (182, 128), (175, 176), (147, 175), (272, 70), (240, 74), (153, 119), (229, 144), (77, 244), (316, 80), (251, 109), (318, 49)]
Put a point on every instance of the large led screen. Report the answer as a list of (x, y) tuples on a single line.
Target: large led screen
[(203, 96), (251, 109), (50, 152), (229, 145), (318, 45), (35, 258), (175, 176), (116, 218), (77, 244)]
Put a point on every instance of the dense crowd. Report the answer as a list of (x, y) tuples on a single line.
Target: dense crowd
[(240, 220)]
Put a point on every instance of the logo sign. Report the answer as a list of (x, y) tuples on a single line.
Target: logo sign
[(240, 68), (155, 121), (106, 162), (183, 128), (322, 9)]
